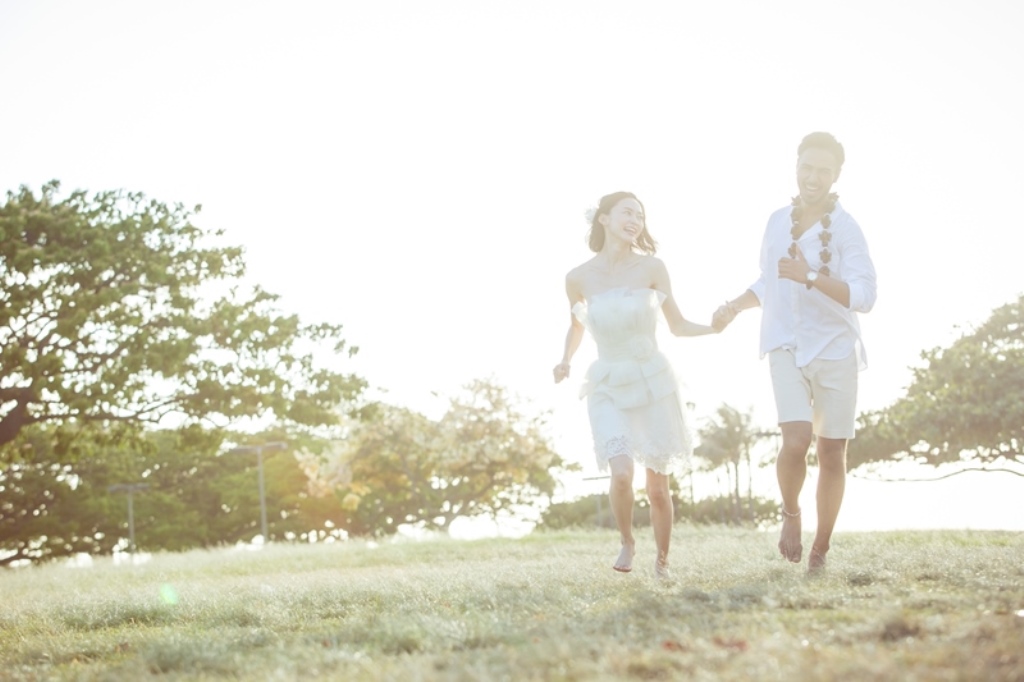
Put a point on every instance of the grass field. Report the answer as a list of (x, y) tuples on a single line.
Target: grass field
[(891, 606)]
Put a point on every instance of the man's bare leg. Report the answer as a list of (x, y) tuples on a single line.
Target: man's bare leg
[(661, 519), (831, 487), (791, 470), (620, 495)]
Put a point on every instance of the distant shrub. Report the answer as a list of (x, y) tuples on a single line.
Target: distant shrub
[(594, 511)]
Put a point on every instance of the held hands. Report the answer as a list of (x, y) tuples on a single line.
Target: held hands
[(561, 371), (795, 268), (725, 314)]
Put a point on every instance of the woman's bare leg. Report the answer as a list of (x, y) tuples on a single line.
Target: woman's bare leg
[(620, 495), (661, 518)]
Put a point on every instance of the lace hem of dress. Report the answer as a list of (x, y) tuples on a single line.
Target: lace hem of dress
[(660, 457)]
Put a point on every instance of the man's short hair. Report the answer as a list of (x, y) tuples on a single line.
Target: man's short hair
[(822, 140)]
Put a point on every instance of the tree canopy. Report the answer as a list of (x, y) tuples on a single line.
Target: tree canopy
[(191, 497), (965, 404), (116, 313), (485, 456)]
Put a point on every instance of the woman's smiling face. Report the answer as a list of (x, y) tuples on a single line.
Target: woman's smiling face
[(626, 220)]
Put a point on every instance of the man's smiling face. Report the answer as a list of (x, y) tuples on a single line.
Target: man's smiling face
[(816, 171)]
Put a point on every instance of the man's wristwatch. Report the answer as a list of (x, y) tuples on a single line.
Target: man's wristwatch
[(812, 277)]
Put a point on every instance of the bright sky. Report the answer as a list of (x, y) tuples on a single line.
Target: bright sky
[(418, 171)]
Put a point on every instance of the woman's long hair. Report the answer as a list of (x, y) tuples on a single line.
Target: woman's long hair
[(644, 243)]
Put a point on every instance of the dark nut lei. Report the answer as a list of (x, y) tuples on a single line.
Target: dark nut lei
[(826, 222)]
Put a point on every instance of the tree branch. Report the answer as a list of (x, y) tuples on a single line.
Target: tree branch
[(944, 476)]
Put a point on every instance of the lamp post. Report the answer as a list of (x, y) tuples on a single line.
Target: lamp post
[(259, 449), (130, 489)]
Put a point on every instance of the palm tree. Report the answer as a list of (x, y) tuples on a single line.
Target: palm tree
[(726, 441)]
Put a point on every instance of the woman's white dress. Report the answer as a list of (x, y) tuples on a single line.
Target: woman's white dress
[(631, 390)]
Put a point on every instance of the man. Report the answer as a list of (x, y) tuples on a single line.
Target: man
[(816, 274)]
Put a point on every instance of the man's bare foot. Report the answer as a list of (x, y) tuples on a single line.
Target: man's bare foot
[(624, 564), (790, 545), (816, 560)]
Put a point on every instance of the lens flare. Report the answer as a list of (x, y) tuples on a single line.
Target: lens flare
[(168, 594)]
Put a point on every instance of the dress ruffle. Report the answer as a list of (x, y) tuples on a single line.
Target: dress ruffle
[(631, 388), (630, 384)]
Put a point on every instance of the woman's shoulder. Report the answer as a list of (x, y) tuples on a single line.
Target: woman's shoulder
[(576, 280), (580, 271), (653, 263)]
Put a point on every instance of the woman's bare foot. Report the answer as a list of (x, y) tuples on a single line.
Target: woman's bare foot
[(624, 564), (661, 571), (790, 545), (816, 560)]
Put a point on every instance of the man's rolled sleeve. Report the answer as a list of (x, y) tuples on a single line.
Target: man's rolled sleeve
[(757, 288), (859, 271)]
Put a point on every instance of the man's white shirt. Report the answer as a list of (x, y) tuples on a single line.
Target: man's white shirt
[(805, 320)]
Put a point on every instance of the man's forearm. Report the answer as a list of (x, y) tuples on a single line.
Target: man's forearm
[(748, 299)]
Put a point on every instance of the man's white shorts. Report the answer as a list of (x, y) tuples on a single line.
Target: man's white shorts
[(824, 393)]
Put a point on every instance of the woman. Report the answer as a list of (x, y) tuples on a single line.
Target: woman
[(633, 399)]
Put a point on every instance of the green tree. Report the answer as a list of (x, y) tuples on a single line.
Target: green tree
[(46, 513), (496, 456), (293, 510), (50, 508), (117, 314), (383, 473), (194, 497), (485, 456), (966, 404)]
